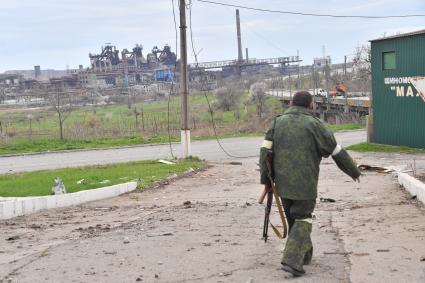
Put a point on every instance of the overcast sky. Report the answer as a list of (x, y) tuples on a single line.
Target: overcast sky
[(57, 33)]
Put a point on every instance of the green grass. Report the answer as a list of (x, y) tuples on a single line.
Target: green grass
[(44, 145), (373, 147), (118, 121), (40, 183), (110, 117), (345, 127)]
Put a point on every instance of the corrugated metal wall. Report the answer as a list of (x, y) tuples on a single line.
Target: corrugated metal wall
[(398, 120)]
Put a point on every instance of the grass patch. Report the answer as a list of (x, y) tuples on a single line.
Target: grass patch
[(373, 147), (22, 145), (346, 127), (40, 183), (44, 145)]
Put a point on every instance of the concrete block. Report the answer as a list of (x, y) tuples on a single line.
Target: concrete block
[(12, 207), (413, 186)]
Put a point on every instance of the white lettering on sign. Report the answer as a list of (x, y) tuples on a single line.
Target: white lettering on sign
[(396, 80), (400, 90), (402, 86), (410, 91)]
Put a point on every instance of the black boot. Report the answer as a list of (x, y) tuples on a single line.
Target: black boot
[(293, 271)]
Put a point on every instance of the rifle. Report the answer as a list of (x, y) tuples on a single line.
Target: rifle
[(267, 192), (270, 191)]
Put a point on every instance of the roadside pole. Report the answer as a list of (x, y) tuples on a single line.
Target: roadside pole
[(184, 89)]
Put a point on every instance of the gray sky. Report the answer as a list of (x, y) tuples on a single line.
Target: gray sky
[(57, 33)]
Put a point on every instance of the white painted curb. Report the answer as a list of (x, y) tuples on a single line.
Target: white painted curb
[(413, 186), (12, 207)]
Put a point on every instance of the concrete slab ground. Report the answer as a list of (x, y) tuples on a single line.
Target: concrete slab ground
[(374, 232)]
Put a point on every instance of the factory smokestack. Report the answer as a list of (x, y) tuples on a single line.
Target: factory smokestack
[(246, 55), (37, 72), (238, 28)]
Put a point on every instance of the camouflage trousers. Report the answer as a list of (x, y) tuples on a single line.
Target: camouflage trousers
[(299, 248)]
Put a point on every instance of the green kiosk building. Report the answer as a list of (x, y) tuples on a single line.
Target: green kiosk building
[(398, 89)]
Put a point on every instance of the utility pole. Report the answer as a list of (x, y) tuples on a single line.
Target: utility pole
[(298, 71), (184, 89), (345, 67), (290, 84)]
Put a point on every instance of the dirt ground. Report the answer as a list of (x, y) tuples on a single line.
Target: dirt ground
[(207, 228)]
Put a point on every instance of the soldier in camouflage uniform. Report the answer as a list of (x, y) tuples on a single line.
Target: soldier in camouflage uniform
[(299, 141)]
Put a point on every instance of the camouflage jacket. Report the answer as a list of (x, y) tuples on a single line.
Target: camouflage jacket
[(298, 141)]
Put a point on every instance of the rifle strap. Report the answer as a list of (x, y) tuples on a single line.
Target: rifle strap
[(279, 207)]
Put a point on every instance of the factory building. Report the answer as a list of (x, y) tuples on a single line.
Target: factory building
[(112, 67), (398, 88)]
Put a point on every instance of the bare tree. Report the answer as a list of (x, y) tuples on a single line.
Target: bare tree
[(62, 103), (2, 94), (137, 113), (257, 93), (362, 66), (362, 58), (30, 118), (228, 97)]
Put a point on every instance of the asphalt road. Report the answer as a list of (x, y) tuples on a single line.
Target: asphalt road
[(209, 150)]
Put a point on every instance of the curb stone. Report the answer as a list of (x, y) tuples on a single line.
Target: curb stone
[(14, 207), (412, 185)]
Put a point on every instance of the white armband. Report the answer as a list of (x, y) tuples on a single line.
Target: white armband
[(337, 150), (267, 144)]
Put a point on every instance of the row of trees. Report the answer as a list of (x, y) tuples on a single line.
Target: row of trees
[(228, 97)]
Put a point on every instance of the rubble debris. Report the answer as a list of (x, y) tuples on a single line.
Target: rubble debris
[(225, 273), (382, 250), (365, 167), (387, 169), (422, 258), (156, 276), (126, 240), (327, 200), (172, 177), (337, 253), (234, 163), (58, 187), (138, 279), (160, 234), (103, 208), (414, 197), (361, 254), (13, 238), (35, 226), (166, 162)]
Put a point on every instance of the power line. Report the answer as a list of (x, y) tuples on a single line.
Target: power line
[(172, 84), (203, 89), (311, 14)]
